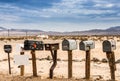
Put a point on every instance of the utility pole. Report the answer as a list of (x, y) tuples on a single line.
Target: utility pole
[(8, 32)]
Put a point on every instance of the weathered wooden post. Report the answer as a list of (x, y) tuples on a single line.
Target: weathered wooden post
[(22, 66), (87, 46), (33, 45), (34, 63), (108, 47), (69, 45), (8, 49), (52, 47)]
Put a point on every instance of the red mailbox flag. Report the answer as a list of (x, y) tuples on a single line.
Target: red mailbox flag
[(34, 45)]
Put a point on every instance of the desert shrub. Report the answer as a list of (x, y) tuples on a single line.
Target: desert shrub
[(104, 60), (95, 59)]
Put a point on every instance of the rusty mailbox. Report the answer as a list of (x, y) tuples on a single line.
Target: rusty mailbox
[(33, 45), (109, 45), (52, 46), (69, 44), (86, 45)]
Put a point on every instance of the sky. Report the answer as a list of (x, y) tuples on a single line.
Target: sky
[(59, 15)]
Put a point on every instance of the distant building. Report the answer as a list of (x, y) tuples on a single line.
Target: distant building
[(43, 36)]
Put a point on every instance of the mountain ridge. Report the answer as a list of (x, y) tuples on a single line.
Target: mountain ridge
[(109, 31)]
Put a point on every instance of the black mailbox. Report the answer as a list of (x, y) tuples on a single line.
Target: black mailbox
[(8, 48), (33, 45), (53, 46)]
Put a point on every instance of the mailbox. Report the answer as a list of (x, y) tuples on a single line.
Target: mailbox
[(33, 45), (69, 44), (54, 46), (7, 48), (109, 45), (86, 45)]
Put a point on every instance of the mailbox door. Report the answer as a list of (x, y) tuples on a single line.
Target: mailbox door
[(82, 45), (106, 46), (65, 45), (7, 48)]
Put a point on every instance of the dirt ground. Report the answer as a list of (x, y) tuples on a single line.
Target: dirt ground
[(99, 71)]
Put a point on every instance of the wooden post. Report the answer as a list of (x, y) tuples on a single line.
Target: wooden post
[(69, 63), (8, 32), (9, 63), (22, 66), (34, 63), (111, 59), (113, 56), (87, 65), (54, 56)]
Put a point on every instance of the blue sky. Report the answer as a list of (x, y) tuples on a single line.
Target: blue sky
[(59, 15)]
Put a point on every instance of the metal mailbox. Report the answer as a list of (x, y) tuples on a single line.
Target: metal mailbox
[(7, 48), (53, 46), (109, 45), (69, 44), (86, 45), (33, 45)]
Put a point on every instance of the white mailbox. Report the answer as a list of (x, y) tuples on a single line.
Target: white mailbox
[(109, 45), (69, 44), (86, 45)]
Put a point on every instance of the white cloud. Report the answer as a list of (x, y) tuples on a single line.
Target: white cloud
[(65, 8), (110, 5), (76, 9), (73, 8), (9, 18)]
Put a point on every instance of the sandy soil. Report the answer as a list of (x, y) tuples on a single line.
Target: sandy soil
[(99, 70)]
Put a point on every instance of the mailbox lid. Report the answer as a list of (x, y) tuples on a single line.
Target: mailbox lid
[(91, 44), (53, 46), (109, 45), (33, 45), (8, 48), (69, 44)]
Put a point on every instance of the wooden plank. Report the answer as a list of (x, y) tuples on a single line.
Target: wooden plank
[(22, 66)]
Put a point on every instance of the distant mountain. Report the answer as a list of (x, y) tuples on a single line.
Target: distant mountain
[(117, 28), (2, 28), (110, 31), (25, 30)]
